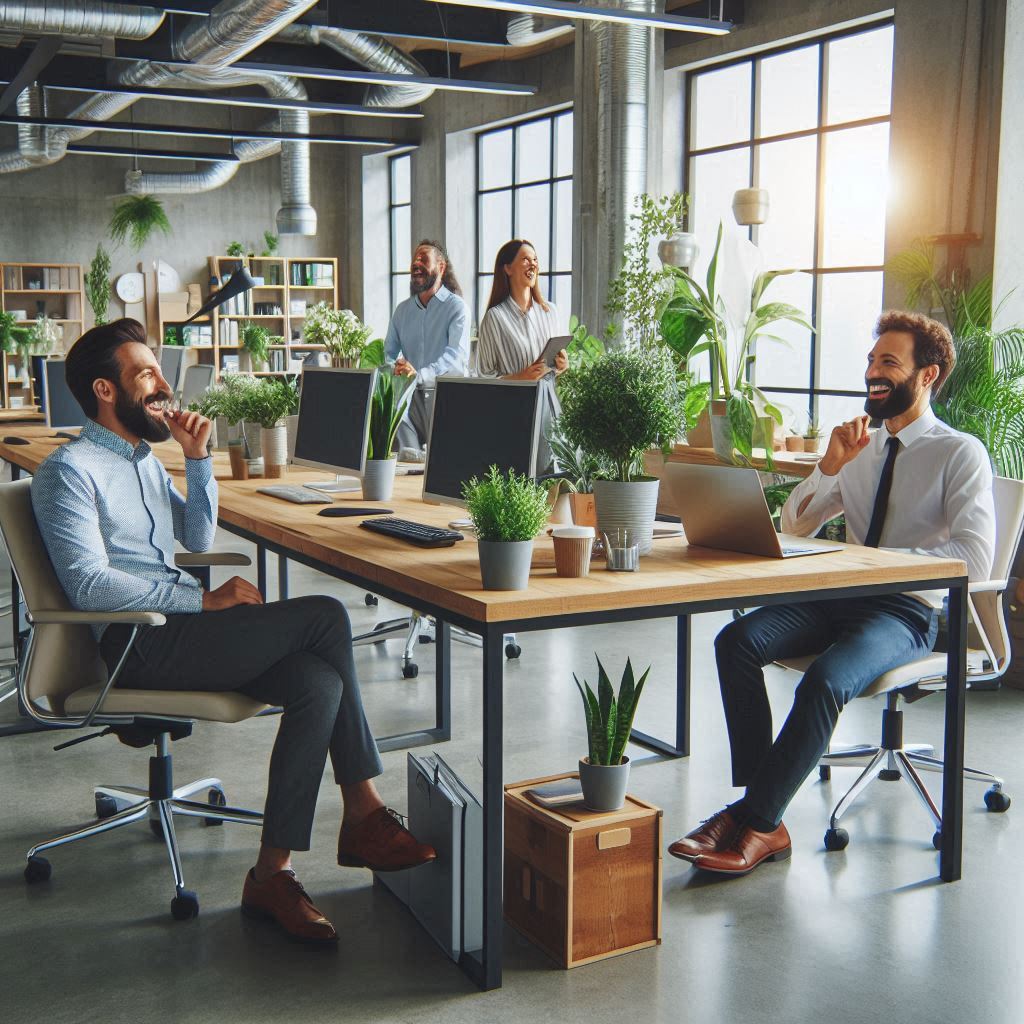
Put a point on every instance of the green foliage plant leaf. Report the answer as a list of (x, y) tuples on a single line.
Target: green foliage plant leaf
[(609, 718), (505, 507), (97, 285), (136, 219), (387, 407)]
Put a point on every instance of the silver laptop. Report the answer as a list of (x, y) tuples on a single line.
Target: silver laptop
[(724, 507)]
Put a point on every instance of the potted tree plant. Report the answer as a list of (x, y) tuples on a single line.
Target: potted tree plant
[(507, 512), (616, 409), (604, 773), (391, 395)]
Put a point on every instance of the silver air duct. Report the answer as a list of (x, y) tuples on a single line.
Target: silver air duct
[(374, 55), (75, 18), (527, 29)]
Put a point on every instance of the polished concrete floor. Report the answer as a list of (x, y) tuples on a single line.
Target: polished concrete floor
[(865, 935)]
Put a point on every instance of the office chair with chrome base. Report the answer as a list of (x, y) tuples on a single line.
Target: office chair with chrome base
[(988, 657), (64, 683)]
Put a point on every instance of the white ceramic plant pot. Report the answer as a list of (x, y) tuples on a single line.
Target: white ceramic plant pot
[(679, 250), (604, 785), (379, 479), (274, 444), (631, 505), (505, 564)]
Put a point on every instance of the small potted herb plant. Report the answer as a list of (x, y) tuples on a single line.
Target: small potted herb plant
[(812, 436), (580, 469), (256, 341), (604, 773), (391, 395), (270, 402), (507, 512)]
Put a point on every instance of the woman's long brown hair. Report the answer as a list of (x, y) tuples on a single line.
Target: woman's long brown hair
[(506, 255)]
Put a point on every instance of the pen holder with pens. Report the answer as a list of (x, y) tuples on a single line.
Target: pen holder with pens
[(622, 549)]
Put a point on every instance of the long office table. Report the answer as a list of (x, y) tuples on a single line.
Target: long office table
[(675, 581)]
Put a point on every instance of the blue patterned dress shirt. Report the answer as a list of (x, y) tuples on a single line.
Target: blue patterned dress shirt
[(110, 514)]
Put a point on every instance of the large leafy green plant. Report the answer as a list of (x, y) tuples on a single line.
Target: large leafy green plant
[(97, 285), (387, 407), (505, 507), (609, 719), (695, 320), (620, 406), (136, 218), (256, 340), (12, 337)]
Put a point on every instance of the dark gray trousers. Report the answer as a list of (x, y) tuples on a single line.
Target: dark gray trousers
[(414, 430), (296, 654)]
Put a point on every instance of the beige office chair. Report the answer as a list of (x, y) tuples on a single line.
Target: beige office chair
[(64, 683), (988, 657)]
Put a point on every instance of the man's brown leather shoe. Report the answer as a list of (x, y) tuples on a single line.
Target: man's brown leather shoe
[(747, 849), (714, 833), (281, 898), (381, 842)]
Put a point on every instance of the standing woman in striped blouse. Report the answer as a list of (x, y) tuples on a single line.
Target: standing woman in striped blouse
[(516, 327)]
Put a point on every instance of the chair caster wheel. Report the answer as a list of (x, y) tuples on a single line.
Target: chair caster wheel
[(997, 801), (410, 671), (890, 775), (157, 828), (836, 839), (370, 601), (185, 906), (512, 651), (423, 638), (37, 870), (825, 773), (215, 798), (106, 806), (937, 840)]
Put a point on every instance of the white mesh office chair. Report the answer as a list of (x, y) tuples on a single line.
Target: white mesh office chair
[(64, 683), (988, 657)]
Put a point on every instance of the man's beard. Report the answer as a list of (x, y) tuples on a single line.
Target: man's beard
[(902, 396), (429, 280), (132, 415)]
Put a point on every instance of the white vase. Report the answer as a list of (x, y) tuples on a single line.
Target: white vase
[(379, 479), (274, 445), (632, 505)]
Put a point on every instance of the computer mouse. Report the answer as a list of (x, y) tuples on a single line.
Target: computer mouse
[(15, 440), (339, 511)]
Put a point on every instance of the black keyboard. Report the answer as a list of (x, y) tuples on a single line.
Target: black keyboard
[(415, 533)]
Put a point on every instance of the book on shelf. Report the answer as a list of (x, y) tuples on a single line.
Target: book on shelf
[(229, 364)]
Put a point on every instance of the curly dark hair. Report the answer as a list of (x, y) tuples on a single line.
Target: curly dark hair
[(933, 344)]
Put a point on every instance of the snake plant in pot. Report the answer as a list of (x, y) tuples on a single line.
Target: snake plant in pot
[(390, 399), (604, 773)]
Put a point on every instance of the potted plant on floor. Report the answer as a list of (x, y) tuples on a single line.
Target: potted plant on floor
[(604, 773), (507, 511), (391, 396), (616, 409)]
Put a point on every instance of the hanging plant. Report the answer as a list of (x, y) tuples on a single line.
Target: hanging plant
[(136, 218)]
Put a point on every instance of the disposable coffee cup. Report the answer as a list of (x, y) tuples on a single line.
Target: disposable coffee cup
[(573, 545)]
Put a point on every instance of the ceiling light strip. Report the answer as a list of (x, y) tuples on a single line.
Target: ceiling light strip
[(156, 154)]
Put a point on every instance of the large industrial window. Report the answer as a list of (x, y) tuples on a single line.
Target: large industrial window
[(400, 221), (809, 123), (524, 190)]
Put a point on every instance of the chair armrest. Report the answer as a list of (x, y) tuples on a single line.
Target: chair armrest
[(987, 586), (184, 559), (68, 618)]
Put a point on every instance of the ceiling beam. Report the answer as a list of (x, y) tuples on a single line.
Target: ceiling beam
[(153, 154), (413, 19), (42, 53)]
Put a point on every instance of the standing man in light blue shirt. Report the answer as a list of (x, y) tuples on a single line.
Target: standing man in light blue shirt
[(428, 336), (109, 514)]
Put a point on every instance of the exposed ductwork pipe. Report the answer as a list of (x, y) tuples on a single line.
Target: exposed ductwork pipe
[(527, 29), (75, 18), (374, 55)]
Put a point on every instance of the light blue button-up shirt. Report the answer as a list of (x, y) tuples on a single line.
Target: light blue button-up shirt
[(109, 515), (434, 338)]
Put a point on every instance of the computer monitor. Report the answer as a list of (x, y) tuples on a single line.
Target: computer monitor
[(334, 423), (478, 423), (59, 404), (172, 365), (195, 383)]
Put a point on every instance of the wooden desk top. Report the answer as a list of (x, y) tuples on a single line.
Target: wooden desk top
[(28, 414), (786, 463), (449, 578)]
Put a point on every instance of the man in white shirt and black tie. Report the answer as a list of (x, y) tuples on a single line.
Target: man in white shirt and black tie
[(916, 485)]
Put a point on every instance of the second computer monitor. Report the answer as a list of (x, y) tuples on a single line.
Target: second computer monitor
[(59, 404), (172, 362), (334, 419), (478, 423)]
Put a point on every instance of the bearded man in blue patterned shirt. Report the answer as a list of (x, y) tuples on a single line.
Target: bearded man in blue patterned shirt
[(109, 514)]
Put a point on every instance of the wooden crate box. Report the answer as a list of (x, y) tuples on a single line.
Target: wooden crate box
[(582, 885)]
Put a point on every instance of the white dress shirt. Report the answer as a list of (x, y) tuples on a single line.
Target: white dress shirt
[(940, 502)]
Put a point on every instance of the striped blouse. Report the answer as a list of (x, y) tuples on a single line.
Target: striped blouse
[(510, 340)]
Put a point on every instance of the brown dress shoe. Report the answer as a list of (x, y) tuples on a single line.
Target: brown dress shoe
[(282, 899), (381, 842), (747, 849), (714, 833)]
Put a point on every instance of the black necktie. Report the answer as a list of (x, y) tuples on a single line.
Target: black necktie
[(882, 495)]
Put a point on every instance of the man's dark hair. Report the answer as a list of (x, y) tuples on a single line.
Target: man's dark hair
[(450, 281), (94, 357), (933, 344)]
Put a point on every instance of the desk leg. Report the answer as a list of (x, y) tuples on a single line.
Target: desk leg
[(15, 591), (682, 738), (282, 578), (443, 681), (951, 848), (261, 570), (485, 968)]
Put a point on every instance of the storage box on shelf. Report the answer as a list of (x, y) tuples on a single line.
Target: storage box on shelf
[(582, 885), (34, 289)]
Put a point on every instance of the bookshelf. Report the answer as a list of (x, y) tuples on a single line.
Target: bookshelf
[(34, 289)]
